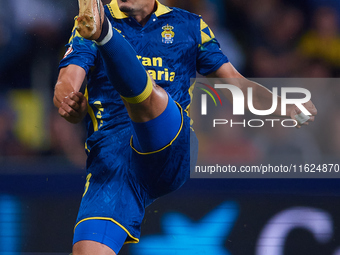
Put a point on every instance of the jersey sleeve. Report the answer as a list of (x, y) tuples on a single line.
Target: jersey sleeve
[(210, 57), (80, 51)]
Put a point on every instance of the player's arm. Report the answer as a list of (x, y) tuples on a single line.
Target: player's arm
[(262, 97), (211, 62), (71, 103), (78, 59)]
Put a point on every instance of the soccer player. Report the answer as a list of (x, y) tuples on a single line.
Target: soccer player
[(138, 130)]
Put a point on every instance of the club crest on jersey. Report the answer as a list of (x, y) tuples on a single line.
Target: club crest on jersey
[(168, 35), (69, 51)]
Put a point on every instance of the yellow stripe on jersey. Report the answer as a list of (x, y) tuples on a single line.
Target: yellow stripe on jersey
[(118, 14), (190, 91), (206, 33), (91, 112), (141, 97), (74, 31), (87, 184)]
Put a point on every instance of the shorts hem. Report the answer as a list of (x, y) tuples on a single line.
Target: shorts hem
[(169, 144), (132, 239)]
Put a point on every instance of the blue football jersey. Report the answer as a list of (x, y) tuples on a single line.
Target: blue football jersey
[(172, 46)]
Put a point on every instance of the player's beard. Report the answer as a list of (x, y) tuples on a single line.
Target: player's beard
[(125, 9)]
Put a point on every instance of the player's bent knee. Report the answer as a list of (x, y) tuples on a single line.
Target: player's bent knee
[(148, 105), (143, 95), (159, 132)]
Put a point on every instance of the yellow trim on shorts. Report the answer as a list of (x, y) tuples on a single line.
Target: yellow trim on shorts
[(166, 146), (141, 97), (134, 239)]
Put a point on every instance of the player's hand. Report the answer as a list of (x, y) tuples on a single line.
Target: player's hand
[(302, 119), (73, 108)]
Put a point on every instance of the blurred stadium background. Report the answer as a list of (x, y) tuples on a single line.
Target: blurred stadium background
[(42, 159)]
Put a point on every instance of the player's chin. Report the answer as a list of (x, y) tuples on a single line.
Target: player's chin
[(125, 9)]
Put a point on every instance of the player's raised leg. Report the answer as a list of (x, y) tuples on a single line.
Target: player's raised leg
[(144, 100), (124, 70)]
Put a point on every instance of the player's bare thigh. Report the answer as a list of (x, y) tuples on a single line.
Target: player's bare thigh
[(91, 248)]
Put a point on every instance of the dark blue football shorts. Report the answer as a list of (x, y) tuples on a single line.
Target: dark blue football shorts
[(122, 182)]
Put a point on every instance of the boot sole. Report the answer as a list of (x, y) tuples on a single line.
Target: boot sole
[(88, 18)]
